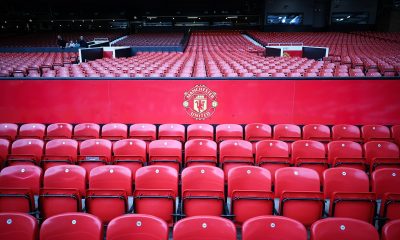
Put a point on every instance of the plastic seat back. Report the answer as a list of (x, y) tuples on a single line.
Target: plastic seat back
[(72, 226), (343, 228), (84, 131), (130, 153), (114, 131), (200, 152), (203, 191), (137, 226), (200, 131), (346, 154), (381, 154), (143, 131), (287, 132), (249, 189), (233, 153), (32, 130), (94, 153), (273, 227), (4, 149), (317, 132), (166, 152), (310, 154), (228, 131), (391, 230), (18, 226), (172, 131), (26, 152), (60, 152), (346, 132), (8, 131), (375, 133), (59, 131), (204, 227), (156, 191)]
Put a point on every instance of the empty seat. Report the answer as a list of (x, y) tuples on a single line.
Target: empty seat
[(287, 132), (346, 132), (202, 191), (94, 153), (60, 152), (205, 228), (172, 131), (18, 185), (385, 183), (109, 188), (310, 154), (130, 153), (272, 155), (72, 226), (255, 132), (233, 153), (18, 226), (63, 188), (228, 131), (317, 132), (85, 131), (137, 226), (8, 131), (32, 130), (343, 228), (375, 133), (4, 148), (299, 193), (114, 131), (395, 134), (143, 131), (348, 192), (249, 191), (58, 130), (200, 152), (379, 154), (166, 152), (346, 154), (200, 131), (391, 230), (26, 152), (273, 227), (156, 189)]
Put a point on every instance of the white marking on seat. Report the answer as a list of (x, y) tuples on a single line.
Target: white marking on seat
[(342, 227), (272, 225), (9, 221), (138, 223), (204, 225), (73, 222)]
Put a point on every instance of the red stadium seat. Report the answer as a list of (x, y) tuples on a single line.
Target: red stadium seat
[(228, 132), (58, 130), (26, 152), (200, 131), (137, 226), (233, 153), (348, 191), (205, 196), (287, 132), (156, 192), (84, 131), (273, 227), (4, 149), (59, 152), (317, 132), (200, 152), (114, 131), (94, 153), (343, 228), (18, 185), (166, 153), (143, 131), (375, 133), (109, 188), (391, 230), (72, 226), (8, 131), (130, 153), (204, 227), (32, 130), (255, 132), (63, 188), (299, 193), (18, 226), (172, 131), (346, 154), (272, 155), (346, 132), (249, 190), (379, 154), (309, 154), (385, 183)]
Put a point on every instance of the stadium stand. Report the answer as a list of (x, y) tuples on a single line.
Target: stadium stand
[(152, 39)]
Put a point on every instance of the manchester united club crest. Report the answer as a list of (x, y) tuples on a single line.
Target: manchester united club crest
[(200, 102)]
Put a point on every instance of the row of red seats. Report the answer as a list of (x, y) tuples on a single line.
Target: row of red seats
[(156, 191), (252, 132), (71, 226)]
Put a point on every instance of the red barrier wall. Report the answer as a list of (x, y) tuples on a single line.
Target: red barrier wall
[(239, 101)]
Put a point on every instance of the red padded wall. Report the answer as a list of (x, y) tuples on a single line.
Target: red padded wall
[(239, 101)]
